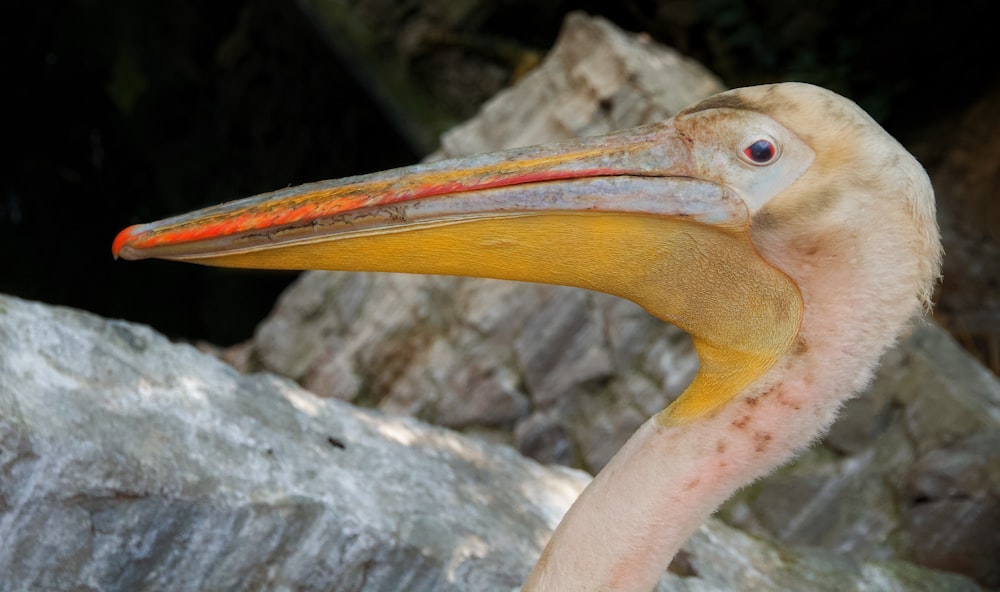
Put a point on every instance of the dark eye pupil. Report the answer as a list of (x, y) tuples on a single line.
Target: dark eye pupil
[(760, 151)]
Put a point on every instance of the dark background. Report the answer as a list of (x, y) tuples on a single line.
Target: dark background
[(122, 112)]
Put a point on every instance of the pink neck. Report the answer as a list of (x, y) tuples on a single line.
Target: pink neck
[(628, 524)]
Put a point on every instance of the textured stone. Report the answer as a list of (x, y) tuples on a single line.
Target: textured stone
[(128, 462), (131, 463)]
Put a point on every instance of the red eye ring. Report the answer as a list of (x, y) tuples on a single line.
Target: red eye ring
[(760, 151)]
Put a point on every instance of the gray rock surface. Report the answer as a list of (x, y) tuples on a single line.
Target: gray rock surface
[(596, 79), (910, 471), (131, 463), (572, 373)]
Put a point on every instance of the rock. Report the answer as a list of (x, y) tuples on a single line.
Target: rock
[(480, 354), (595, 80), (957, 485), (130, 463), (567, 376)]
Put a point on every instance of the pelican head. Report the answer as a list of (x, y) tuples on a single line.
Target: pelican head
[(779, 225)]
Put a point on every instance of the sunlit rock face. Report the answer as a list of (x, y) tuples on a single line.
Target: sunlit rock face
[(128, 462)]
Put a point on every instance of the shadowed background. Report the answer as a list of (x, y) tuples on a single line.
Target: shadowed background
[(125, 112)]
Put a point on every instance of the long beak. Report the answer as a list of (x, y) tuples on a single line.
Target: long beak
[(622, 213), (646, 171)]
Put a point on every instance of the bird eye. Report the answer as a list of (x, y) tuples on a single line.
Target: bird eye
[(761, 151)]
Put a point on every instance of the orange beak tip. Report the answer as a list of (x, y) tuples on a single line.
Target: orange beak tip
[(123, 237)]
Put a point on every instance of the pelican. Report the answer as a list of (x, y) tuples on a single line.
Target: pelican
[(779, 225)]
